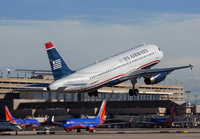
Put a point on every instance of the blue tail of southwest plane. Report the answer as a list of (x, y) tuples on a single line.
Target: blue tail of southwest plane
[(102, 111), (58, 66)]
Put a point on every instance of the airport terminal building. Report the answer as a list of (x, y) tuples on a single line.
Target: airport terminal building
[(153, 100), (10, 88)]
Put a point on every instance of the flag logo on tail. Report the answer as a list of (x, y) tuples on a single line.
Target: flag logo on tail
[(57, 64)]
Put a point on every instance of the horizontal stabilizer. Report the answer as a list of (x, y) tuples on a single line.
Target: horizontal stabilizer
[(35, 85)]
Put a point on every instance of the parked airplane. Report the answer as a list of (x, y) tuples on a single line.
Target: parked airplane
[(163, 122), (131, 64), (10, 118), (9, 126), (85, 123)]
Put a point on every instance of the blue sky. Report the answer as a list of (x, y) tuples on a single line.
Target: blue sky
[(88, 30), (94, 10)]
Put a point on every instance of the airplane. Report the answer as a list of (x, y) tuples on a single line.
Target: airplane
[(9, 126), (128, 65), (84, 123), (20, 122), (88, 123), (163, 122)]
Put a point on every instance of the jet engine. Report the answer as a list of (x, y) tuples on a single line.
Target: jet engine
[(91, 129), (156, 79)]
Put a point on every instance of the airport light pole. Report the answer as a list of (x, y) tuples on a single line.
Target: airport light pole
[(188, 92), (1, 73), (195, 99)]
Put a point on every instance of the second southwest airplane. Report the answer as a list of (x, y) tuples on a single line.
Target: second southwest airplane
[(88, 123), (85, 123), (131, 64)]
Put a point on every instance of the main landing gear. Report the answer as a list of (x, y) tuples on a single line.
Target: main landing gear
[(133, 91)]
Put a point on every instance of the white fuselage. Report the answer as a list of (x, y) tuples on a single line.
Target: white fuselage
[(9, 126), (109, 70)]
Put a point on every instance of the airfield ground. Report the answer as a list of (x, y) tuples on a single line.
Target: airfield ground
[(136, 133)]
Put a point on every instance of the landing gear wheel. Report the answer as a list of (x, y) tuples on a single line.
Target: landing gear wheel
[(95, 93), (131, 92), (136, 92), (90, 94)]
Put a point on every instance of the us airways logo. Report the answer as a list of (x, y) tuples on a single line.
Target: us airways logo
[(57, 64)]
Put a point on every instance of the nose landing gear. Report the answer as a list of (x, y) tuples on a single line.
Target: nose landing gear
[(95, 93)]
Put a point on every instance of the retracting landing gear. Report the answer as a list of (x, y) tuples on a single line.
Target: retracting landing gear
[(95, 93), (133, 91)]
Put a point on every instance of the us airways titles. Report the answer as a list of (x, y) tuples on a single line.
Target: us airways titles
[(136, 54)]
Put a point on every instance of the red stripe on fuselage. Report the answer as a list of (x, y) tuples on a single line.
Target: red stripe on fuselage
[(148, 64), (105, 81), (75, 127)]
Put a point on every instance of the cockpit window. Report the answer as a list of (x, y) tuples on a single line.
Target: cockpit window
[(159, 49)]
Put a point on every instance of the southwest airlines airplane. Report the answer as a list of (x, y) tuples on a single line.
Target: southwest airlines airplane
[(128, 65), (85, 123), (163, 122), (10, 118)]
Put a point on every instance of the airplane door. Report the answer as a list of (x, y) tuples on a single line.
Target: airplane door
[(82, 79), (156, 52)]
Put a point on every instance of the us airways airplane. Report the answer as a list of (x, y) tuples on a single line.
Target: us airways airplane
[(128, 65), (85, 123), (10, 118)]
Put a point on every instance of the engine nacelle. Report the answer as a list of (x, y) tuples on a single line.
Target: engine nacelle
[(155, 79), (91, 129)]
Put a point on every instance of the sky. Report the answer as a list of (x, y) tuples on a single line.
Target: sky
[(84, 31)]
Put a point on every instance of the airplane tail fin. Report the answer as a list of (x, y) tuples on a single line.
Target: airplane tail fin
[(8, 115), (58, 66), (102, 111), (170, 120), (52, 119), (173, 112)]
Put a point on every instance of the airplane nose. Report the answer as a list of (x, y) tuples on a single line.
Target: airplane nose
[(160, 54)]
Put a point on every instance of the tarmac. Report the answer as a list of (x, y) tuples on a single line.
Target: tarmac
[(136, 133)]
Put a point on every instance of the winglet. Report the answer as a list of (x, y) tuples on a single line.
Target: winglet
[(52, 119), (131, 119), (191, 66)]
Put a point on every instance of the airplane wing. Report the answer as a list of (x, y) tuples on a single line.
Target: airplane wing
[(150, 72), (120, 123), (34, 72)]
